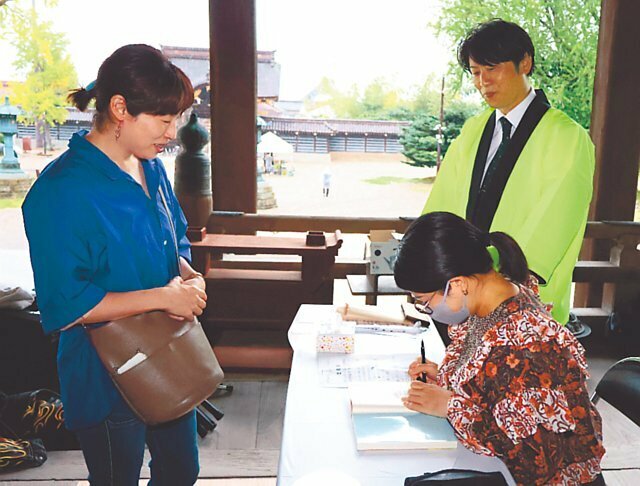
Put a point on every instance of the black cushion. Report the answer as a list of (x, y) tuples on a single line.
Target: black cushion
[(620, 386)]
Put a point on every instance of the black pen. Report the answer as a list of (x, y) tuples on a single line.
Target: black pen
[(423, 378)]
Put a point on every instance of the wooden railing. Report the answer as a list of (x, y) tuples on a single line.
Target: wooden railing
[(620, 275)]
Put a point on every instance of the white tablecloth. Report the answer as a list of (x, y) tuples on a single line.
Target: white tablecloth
[(318, 443)]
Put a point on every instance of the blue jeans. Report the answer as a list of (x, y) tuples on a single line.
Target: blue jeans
[(113, 450)]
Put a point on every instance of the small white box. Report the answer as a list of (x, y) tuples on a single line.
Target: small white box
[(383, 251)]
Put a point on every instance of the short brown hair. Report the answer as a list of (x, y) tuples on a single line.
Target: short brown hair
[(145, 78)]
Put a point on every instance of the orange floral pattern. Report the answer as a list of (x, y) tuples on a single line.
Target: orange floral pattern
[(522, 395)]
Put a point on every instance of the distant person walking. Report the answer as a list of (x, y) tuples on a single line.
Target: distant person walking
[(268, 163), (326, 182)]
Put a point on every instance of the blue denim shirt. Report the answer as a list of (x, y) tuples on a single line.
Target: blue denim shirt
[(92, 230)]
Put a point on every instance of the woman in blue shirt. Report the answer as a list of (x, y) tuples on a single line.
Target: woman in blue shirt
[(102, 248)]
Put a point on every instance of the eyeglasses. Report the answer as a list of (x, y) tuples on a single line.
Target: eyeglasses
[(424, 307)]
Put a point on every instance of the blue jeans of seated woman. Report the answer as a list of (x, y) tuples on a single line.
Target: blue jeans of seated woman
[(114, 449)]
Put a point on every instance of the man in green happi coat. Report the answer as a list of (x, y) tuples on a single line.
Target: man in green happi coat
[(520, 167)]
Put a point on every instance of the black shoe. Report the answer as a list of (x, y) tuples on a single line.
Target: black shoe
[(577, 327)]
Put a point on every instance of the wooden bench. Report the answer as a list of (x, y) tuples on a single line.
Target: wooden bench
[(250, 308)]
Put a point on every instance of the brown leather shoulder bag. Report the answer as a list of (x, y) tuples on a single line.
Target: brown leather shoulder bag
[(163, 367)]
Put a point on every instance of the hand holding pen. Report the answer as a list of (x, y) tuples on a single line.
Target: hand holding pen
[(423, 377), (422, 369)]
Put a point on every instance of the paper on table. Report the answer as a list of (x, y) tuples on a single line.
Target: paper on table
[(340, 371)]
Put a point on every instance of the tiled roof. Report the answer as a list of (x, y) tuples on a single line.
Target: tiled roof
[(185, 52), (336, 126), (302, 125), (77, 115)]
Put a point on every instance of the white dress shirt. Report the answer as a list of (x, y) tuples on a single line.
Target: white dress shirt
[(514, 117)]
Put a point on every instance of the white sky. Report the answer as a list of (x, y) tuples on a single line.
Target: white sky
[(349, 41)]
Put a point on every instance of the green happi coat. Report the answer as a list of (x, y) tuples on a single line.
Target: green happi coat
[(545, 200)]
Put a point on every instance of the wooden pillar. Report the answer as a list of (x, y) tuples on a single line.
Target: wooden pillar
[(615, 127), (233, 107)]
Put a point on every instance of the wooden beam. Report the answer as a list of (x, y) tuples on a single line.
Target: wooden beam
[(236, 223), (615, 122), (233, 106), (615, 125)]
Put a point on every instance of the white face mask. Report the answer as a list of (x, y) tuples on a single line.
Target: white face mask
[(443, 313)]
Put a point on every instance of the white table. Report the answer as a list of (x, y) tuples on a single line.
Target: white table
[(318, 443)]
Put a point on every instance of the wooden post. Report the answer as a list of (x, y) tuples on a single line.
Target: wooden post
[(615, 126), (233, 107)]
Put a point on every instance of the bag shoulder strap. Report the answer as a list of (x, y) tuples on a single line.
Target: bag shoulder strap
[(174, 236)]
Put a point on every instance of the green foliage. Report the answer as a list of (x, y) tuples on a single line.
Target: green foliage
[(50, 74), (378, 101), (420, 139), (565, 36), (15, 10), (381, 101)]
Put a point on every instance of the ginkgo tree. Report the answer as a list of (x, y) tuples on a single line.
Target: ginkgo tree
[(40, 54)]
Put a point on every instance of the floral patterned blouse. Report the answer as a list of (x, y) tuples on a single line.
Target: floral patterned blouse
[(519, 392)]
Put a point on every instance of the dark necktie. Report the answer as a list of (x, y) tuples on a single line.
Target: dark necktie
[(506, 137)]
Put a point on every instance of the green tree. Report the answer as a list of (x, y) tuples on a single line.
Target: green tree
[(420, 139), (455, 115), (378, 101), (564, 33), (427, 97), (50, 74), (327, 96)]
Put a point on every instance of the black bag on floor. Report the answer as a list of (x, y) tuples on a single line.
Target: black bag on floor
[(21, 454), (36, 415), (457, 477)]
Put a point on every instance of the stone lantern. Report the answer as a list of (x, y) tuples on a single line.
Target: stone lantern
[(14, 183), (265, 197), (9, 127)]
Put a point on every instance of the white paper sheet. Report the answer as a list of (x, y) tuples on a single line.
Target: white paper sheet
[(340, 370)]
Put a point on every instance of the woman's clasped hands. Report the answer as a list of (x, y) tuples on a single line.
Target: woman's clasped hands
[(426, 397), (184, 300)]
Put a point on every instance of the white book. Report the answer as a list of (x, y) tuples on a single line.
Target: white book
[(378, 397), (382, 422)]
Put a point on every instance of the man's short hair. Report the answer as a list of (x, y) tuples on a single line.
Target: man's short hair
[(493, 42)]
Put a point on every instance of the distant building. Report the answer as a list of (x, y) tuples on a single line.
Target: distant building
[(77, 120), (194, 61), (314, 135)]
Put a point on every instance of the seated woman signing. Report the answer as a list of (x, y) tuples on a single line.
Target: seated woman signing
[(513, 380)]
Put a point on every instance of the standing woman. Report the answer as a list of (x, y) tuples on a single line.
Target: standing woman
[(513, 380), (102, 248)]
